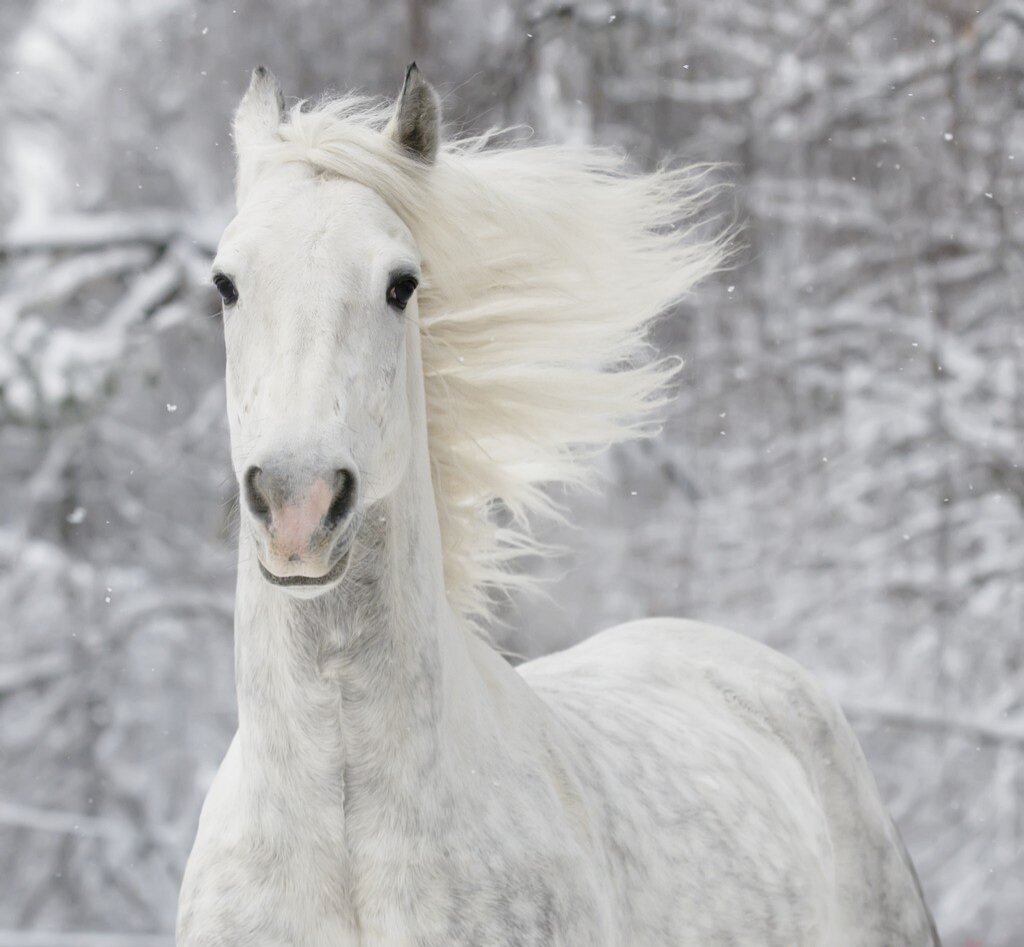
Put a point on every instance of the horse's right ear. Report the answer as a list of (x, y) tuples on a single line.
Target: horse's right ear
[(257, 118)]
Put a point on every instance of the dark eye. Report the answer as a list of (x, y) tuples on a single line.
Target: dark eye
[(400, 291), (226, 288)]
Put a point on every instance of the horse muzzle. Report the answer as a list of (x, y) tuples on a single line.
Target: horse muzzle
[(303, 524)]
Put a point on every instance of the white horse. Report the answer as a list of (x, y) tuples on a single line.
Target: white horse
[(419, 336)]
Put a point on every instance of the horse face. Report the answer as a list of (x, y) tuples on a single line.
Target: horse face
[(319, 283), (318, 277)]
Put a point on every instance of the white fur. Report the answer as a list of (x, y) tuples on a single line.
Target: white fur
[(393, 781)]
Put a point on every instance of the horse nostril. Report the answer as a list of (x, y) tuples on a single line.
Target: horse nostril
[(259, 506), (344, 498)]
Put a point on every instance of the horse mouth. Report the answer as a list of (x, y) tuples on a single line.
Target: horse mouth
[(305, 581)]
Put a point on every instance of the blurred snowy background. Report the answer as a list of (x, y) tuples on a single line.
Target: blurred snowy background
[(841, 476)]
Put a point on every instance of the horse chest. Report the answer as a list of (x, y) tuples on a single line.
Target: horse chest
[(451, 867), (484, 873)]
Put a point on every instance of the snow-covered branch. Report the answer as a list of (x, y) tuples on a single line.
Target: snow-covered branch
[(1008, 732), (94, 231), (82, 939)]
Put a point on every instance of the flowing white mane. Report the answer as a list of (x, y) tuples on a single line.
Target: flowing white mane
[(543, 270)]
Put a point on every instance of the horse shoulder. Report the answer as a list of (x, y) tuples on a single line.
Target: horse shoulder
[(755, 689), (252, 868)]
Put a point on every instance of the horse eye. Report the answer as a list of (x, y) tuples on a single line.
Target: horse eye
[(227, 289), (400, 291)]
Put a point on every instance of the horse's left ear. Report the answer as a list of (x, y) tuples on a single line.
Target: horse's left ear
[(258, 116), (416, 122)]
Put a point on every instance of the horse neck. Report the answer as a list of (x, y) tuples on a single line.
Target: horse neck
[(374, 679)]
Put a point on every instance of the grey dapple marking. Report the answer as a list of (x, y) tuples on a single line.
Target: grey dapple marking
[(393, 781)]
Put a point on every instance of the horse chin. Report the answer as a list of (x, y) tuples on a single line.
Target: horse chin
[(308, 587)]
